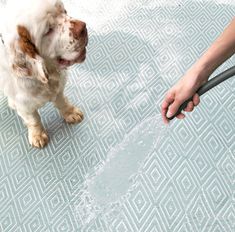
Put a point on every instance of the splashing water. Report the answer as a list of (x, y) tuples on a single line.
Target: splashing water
[(110, 183)]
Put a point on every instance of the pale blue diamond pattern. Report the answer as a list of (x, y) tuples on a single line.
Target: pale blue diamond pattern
[(137, 50)]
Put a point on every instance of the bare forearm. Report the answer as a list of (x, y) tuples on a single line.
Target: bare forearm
[(187, 86), (220, 51)]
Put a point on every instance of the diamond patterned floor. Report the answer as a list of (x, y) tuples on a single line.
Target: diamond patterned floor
[(137, 50)]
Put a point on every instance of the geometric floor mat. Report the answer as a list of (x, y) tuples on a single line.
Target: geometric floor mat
[(121, 169)]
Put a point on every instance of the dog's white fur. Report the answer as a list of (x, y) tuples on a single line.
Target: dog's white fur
[(39, 42)]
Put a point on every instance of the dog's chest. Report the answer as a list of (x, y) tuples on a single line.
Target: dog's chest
[(54, 87), (48, 92)]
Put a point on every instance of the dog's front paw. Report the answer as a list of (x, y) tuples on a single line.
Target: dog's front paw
[(38, 138), (73, 115)]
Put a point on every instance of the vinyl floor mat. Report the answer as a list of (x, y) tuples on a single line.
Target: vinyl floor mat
[(121, 170)]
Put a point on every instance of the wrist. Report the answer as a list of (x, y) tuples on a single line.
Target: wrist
[(202, 71)]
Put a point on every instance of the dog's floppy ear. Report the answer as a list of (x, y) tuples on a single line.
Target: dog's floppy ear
[(26, 61)]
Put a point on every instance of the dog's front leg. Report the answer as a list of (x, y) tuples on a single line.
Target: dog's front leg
[(70, 113), (36, 133)]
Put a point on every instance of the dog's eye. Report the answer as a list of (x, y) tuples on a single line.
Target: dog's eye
[(49, 31)]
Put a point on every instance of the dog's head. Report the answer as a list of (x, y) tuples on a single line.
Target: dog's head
[(37, 32)]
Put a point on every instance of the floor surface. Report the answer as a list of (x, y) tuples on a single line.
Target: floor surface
[(121, 169)]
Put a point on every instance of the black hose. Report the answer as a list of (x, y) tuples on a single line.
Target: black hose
[(207, 86)]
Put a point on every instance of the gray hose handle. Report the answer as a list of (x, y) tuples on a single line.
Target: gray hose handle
[(207, 86)]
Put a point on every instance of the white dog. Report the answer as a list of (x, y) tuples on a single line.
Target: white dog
[(38, 42)]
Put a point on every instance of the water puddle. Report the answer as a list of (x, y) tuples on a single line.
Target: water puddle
[(110, 183)]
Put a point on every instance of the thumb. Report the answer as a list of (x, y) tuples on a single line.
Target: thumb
[(173, 108)]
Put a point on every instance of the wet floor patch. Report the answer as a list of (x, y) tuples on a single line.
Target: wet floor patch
[(107, 187)]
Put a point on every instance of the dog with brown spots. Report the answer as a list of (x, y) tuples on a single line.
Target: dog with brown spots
[(39, 41)]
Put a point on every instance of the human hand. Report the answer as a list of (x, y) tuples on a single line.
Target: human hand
[(183, 90)]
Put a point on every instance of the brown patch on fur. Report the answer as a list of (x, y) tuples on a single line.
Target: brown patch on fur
[(25, 42), (77, 28), (22, 70)]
